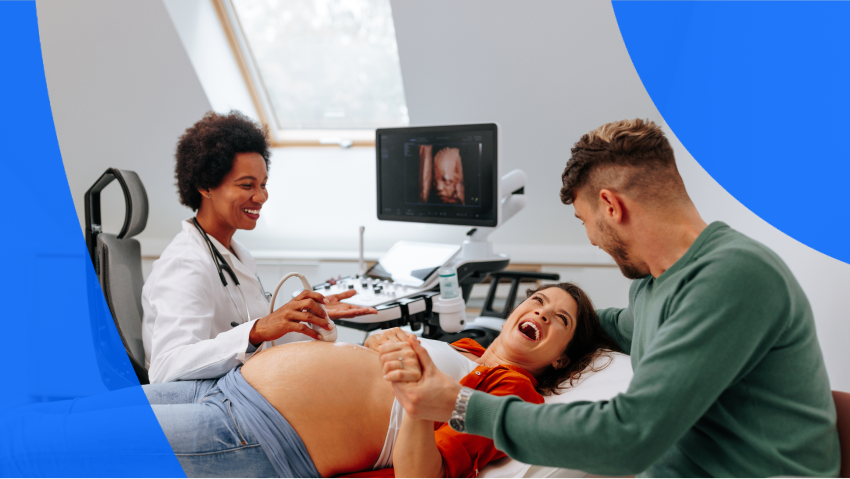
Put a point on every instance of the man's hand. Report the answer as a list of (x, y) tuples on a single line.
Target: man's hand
[(394, 335), (433, 396), (339, 310)]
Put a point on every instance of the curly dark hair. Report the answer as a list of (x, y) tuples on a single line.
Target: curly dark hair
[(589, 342), (631, 156), (206, 151)]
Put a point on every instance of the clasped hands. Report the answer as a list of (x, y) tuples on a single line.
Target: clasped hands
[(424, 391)]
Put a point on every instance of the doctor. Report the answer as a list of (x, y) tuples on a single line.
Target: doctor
[(195, 326)]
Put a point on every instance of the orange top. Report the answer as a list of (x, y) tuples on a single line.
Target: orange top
[(464, 454)]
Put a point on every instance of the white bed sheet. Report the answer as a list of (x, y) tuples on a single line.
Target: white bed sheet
[(598, 386)]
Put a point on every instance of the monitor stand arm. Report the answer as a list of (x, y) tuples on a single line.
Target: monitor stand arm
[(476, 245), (512, 199)]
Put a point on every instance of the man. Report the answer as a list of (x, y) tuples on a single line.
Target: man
[(729, 378)]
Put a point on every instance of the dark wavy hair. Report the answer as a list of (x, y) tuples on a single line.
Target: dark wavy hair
[(206, 151), (589, 343)]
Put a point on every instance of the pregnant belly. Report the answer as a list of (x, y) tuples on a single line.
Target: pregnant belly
[(334, 397)]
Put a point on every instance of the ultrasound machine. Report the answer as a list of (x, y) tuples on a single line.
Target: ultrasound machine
[(441, 175)]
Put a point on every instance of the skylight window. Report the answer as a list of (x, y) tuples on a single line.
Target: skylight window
[(320, 70)]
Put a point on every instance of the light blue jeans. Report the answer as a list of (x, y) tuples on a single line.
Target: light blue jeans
[(208, 435), (110, 435)]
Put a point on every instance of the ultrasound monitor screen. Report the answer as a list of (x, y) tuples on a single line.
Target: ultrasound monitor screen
[(438, 174)]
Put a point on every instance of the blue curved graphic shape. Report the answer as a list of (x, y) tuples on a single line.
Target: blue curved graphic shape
[(759, 94), (57, 416)]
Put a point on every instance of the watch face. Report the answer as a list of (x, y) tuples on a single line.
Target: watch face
[(457, 424)]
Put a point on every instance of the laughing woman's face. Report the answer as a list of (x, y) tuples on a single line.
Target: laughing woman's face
[(539, 329)]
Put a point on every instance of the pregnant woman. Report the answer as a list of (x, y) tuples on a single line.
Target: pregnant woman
[(317, 408), (314, 408)]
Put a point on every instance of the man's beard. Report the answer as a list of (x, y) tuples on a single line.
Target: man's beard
[(612, 244)]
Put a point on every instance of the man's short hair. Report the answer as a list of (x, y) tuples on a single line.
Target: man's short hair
[(632, 157)]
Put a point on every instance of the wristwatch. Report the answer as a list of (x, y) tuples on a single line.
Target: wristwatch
[(458, 419)]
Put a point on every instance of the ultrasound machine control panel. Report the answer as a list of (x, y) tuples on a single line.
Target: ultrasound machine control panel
[(407, 269)]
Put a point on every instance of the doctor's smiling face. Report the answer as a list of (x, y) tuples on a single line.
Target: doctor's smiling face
[(236, 202)]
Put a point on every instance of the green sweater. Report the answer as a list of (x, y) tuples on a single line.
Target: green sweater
[(729, 379)]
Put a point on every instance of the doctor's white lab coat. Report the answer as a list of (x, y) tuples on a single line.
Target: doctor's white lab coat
[(186, 329)]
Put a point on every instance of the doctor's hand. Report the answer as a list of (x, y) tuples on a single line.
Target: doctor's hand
[(339, 310), (394, 335), (288, 319), (432, 397)]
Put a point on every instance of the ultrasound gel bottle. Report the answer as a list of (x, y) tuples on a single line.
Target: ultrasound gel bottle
[(449, 288)]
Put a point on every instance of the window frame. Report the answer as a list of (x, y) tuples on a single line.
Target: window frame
[(280, 137)]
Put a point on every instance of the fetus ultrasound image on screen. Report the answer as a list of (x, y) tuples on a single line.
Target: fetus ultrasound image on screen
[(443, 174), (436, 174)]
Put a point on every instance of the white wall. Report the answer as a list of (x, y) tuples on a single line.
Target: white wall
[(123, 89), (206, 44), (548, 72)]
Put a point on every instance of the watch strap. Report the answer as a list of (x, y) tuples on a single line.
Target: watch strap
[(458, 418)]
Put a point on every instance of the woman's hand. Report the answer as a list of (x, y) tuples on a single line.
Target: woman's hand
[(339, 310), (432, 396), (399, 360), (394, 335), (415, 453), (288, 318)]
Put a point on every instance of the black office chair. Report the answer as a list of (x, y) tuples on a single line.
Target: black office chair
[(117, 261), (515, 277)]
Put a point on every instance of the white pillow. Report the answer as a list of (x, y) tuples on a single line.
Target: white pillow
[(597, 386)]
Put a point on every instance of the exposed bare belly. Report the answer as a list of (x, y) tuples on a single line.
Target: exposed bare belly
[(333, 395)]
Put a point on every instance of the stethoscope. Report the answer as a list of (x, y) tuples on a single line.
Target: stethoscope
[(222, 267)]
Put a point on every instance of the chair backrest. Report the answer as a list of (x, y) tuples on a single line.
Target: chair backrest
[(121, 280), (842, 409), (117, 261)]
